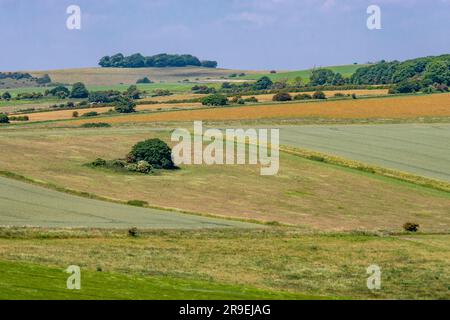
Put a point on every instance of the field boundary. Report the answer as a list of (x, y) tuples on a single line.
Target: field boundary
[(52, 186), (356, 165)]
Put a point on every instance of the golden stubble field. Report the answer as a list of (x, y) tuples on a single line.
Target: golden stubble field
[(304, 193)]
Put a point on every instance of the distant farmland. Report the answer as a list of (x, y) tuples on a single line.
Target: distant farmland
[(405, 107), (419, 149)]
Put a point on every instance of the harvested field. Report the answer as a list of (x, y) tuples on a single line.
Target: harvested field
[(393, 107), (67, 114)]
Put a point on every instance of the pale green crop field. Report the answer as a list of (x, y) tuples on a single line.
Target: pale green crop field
[(421, 149), (25, 204)]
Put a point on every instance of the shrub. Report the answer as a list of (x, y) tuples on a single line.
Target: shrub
[(263, 84), (282, 96), (303, 96), (319, 95), (155, 152), (4, 118), (19, 118), (240, 101), (215, 100), (6, 96), (96, 125), (273, 71), (143, 80), (339, 95), (144, 167), (251, 100), (90, 114), (161, 93), (411, 227), (99, 163), (137, 203), (79, 91), (75, 114), (133, 232)]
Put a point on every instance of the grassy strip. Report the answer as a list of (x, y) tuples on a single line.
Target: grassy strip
[(31, 281), (402, 176), (88, 195)]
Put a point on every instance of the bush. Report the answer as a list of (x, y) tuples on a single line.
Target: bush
[(6, 96), (155, 152), (79, 91), (161, 93), (282, 96), (133, 232), (75, 114), (19, 118), (4, 118), (251, 100), (137, 203), (99, 163), (263, 84), (319, 95), (411, 227), (144, 167), (90, 114), (96, 125), (143, 80), (303, 96), (215, 100)]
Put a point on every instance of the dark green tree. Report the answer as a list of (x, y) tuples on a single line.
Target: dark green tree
[(263, 83), (79, 91), (125, 105), (4, 118), (155, 151), (215, 100), (6, 96)]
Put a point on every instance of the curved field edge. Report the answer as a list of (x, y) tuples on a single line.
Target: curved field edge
[(356, 165), (31, 281), (52, 186)]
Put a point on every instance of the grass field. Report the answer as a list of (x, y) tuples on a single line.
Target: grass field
[(24, 204), (304, 193), (404, 107), (20, 281), (224, 264), (116, 76), (420, 149)]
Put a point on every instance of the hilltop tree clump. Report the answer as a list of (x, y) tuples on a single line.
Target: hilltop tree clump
[(157, 61)]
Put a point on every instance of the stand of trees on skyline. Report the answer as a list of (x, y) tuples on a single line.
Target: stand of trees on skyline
[(162, 60)]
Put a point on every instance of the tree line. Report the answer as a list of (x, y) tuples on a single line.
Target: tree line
[(162, 60)]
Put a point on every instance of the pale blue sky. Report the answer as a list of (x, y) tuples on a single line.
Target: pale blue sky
[(248, 34)]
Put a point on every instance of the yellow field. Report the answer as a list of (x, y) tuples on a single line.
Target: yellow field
[(397, 107), (329, 94), (67, 114)]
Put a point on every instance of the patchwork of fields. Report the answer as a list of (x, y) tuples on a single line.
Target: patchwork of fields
[(393, 107)]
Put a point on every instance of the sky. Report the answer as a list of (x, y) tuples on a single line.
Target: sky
[(241, 34)]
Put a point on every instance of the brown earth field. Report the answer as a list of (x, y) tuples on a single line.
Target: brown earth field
[(305, 193), (404, 107)]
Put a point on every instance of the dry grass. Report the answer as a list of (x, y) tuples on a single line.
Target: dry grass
[(395, 108), (68, 114), (413, 267), (304, 193)]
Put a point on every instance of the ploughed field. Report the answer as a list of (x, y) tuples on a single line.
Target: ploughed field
[(421, 149)]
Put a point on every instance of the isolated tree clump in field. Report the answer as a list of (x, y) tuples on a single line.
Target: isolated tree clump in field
[(319, 95), (79, 91), (6, 96), (282, 96), (4, 118), (143, 80), (215, 100), (125, 105), (155, 152)]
